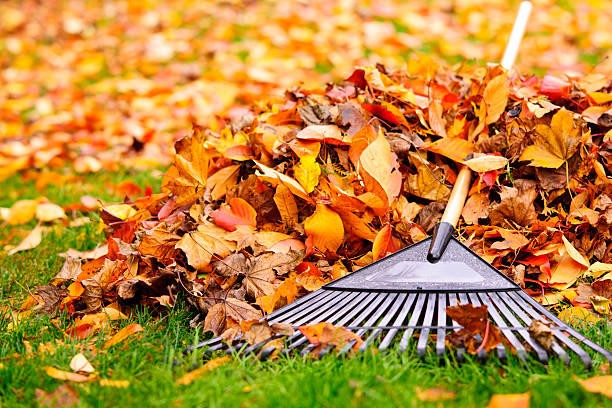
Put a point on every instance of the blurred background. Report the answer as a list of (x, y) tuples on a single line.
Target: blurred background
[(101, 84)]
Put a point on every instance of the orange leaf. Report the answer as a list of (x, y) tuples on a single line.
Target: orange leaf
[(509, 401), (65, 375), (123, 334), (324, 333), (325, 227), (601, 384), (209, 366), (381, 243), (452, 147)]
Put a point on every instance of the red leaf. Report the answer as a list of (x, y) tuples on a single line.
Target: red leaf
[(554, 87), (538, 260), (239, 213), (382, 113), (358, 78)]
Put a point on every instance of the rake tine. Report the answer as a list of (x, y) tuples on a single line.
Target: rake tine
[(424, 335), (316, 315), (209, 343), (452, 300), (262, 343), (399, 300), (542, 355), (584, 356), (501, 351), (607, 354), (518, 346), (414, 319), (441, 332), (476, 302), (327, 297), (560, 351), (379, 310), (406, 307), (296, 304)]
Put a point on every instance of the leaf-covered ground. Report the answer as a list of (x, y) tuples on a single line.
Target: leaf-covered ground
[(273, 194)]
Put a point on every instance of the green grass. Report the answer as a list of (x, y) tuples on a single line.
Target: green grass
[(146, 360)]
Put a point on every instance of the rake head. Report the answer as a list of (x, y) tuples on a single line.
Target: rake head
[(400, 300)]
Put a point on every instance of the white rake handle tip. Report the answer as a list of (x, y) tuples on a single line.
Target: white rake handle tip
[(517, 34)]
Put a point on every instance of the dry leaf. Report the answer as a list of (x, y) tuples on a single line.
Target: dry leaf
[(63, 396), (65, 375), (201, 245), (434, 394), (541, 333), (32, 240), (495, 96), (49, 212), (325, 227), (80, 364), (307, 172), (209, 366), (509, 401), (122, 334), (114, 383), (601, 384)]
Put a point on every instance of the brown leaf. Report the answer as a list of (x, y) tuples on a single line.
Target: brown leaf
[(541, 333), (603, 288), (434, 394), (516, 205), (201, 245), (70, 270), (426, 183), (158, 244), (266, 267), (287, 207), (63, 396), (229, 313), (475, 321), (476, 207), (52, 297), (233, 264), (324, 334)]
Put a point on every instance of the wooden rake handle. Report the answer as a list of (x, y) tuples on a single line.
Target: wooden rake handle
[(445, 228)]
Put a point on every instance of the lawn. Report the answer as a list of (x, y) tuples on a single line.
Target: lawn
[(147, 360)]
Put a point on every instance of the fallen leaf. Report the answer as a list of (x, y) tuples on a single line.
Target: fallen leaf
[(65, 375), (495, 96), (601, 304), (541, 333), (576, 256), (324, 334), (509, 401), (434, 394), (202, 244), (239, 212), (307, 173), (49, 212), (21, 212), (554, 144), (114, 383), (475, 322), (601, 384), (80, 364), (325, 226), (516, 205), (211, 365), (32, 240), (577, 315), (63, 396), (123, 334), (286, 205), (487, 162)]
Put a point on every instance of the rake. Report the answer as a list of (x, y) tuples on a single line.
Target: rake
[(402, 298)]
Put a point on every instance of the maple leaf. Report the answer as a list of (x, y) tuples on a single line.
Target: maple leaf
[(474, 320), (259, 277), (556, 143), (516, 205), (229, 313), (202, 244)]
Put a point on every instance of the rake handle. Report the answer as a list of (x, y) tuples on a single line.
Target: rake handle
[(446, 227)]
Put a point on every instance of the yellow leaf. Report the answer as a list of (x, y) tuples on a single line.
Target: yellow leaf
[(49, 212), (434, 394), (30, 241), (121, 211), (307, 173), (222, 180), (325, 227), (114, 383), (554, 144), (21, 212), (274, 177), (600, 98), (598, 269), (285, 202), (577, 315), (204, 243), (565, 273), (601, 384), (65, 375), (600, 304), (496, 97), (509, 401), (209, 366), (486, 163), (573, 252), (426, 183), (123, 334)]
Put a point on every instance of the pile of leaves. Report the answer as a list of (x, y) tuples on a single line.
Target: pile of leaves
[(98, 84), (261, 209)]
